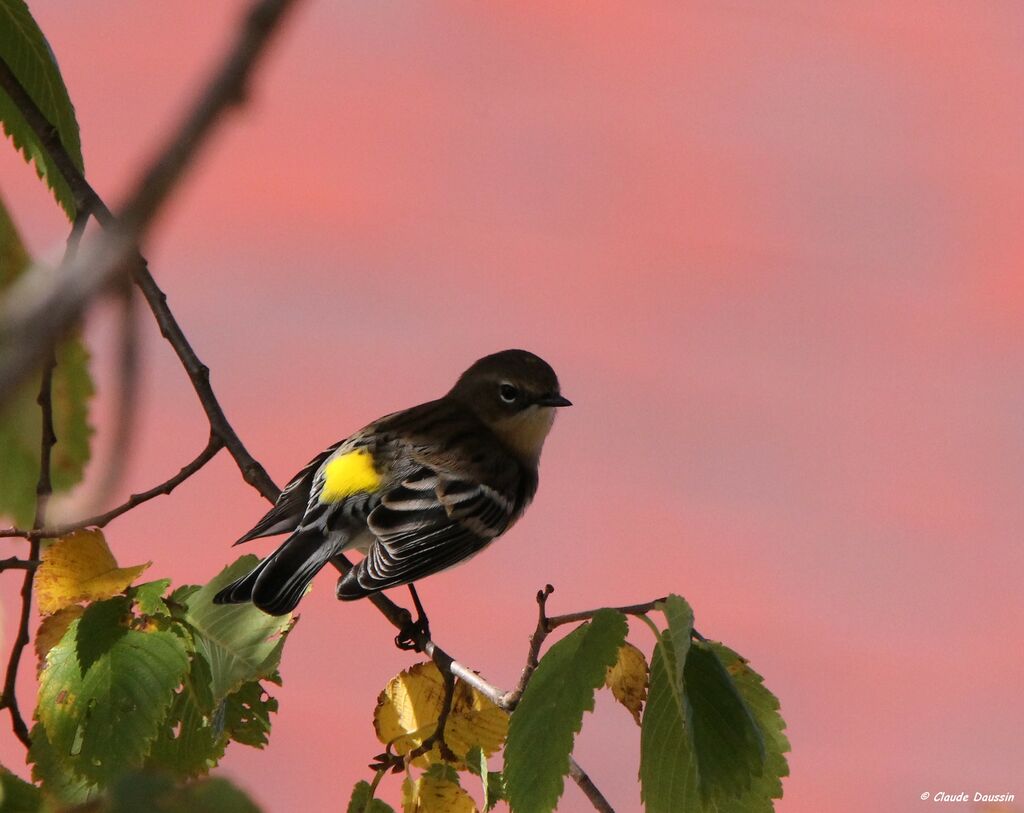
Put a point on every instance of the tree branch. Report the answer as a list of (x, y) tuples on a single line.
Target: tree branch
[(214, 445), (589, 789)]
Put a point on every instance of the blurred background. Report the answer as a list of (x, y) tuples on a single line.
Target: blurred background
[(774, 252)]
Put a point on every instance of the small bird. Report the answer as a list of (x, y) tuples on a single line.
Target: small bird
[(417, 491)]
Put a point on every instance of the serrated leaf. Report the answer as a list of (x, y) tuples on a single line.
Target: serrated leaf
[(189, 743), (247, 715), (26, 51), (701, 745), (408, 708), (362, 801), (765, 708), (431, 794), (679, 616), (80, 567), (240, 642), (52, 629), (627, 679), (157, 792), (668, 766), (149, 597), (729, 749), (495, 789), (101, 720), (21, 418), (181, 595), (57, 780), (17, 795), (544, 726)]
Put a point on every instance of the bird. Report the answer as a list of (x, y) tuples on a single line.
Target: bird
[(417, 491)]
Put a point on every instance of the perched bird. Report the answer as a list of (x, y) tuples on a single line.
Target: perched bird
[(417, 491)]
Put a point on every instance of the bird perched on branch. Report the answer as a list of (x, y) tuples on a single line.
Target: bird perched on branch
[(417, 491)]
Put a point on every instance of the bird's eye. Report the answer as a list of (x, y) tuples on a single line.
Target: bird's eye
[(508, 393)]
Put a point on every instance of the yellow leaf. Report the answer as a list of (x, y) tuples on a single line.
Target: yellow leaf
[(408, 708), (80, 567), (430, 794), (628, 679), (53, 628)]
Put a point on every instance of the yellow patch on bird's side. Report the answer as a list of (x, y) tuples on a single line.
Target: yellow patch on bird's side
[(349, 474)]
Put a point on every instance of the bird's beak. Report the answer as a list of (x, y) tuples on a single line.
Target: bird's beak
[(555, 400)]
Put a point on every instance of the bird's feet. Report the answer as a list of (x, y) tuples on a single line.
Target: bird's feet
[(414, 634)]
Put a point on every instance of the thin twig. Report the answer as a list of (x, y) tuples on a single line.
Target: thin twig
[(44, 488), (589, 789), (511, 699), (199, 374), (214, 445), (586, 615)]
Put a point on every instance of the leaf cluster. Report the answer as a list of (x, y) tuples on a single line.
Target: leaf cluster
[(141, 677), (711, 738)]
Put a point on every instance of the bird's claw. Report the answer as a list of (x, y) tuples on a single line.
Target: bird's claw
[(413, 634)]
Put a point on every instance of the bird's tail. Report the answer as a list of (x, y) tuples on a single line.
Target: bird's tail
[(279, 581)]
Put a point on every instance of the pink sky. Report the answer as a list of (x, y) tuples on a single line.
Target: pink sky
[(774, 255)]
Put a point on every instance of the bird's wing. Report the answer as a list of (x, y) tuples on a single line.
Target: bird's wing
[(430, 521), (291, 504)]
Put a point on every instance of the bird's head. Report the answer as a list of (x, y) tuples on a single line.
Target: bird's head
[(515, 393)]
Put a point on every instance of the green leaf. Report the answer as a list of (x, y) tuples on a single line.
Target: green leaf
[(21, 418), (668, 766), (17, 795), (679, 615), (494, 791), (57, 780), (99, 629), (544, 726), (102, 710), (181, 595), (240, 642), (703, 745), (493, 782), (362, 800), (26, 51), (149, 791), (729, 748), (247, 715), (149, 597), (189, 744), (765, 708)]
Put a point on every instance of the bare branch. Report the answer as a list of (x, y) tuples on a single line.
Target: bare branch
[(199, 374), (511, 699), (589, 789), (214, 445), (586, 615)]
